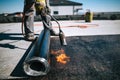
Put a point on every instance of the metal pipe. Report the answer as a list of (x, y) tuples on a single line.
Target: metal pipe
[(37, 60)]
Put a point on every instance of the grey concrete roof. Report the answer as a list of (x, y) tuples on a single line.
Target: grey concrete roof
[(92, 47)]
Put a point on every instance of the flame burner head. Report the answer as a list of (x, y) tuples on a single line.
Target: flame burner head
[(36, 66)]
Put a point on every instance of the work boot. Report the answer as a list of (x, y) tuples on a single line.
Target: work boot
[(53, 33), (29, 37)]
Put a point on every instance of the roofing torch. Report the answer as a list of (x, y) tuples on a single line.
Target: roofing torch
[(61, 34)]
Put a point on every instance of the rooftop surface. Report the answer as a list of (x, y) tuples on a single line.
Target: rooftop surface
[(93, 49)]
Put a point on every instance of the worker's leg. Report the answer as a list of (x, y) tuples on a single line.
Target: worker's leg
[(29, 27), (47, 19), (29, 21), (44, 11)]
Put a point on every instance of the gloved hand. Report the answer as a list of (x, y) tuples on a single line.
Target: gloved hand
[(40, 4)]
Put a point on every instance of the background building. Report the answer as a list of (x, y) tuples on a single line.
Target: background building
[(64, 7)]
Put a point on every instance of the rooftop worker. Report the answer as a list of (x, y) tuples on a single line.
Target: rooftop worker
[(42, 8)]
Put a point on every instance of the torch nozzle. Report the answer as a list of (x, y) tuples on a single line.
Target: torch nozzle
[(62, 38)]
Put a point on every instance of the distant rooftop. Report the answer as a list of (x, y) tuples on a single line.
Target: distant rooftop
[(63, 3)]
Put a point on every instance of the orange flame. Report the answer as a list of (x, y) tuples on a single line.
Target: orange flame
[(61, 57)]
